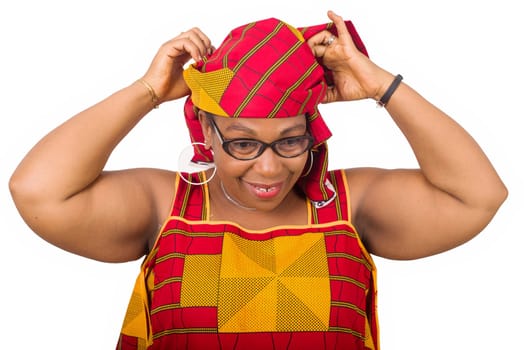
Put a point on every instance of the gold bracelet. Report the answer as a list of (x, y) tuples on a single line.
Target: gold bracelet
[(152, 93)]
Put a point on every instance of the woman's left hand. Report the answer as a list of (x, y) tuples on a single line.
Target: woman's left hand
[(355, 76)]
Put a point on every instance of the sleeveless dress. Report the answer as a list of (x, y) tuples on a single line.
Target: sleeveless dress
[(216, 285)]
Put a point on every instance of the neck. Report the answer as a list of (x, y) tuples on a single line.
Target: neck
[(232, 200)]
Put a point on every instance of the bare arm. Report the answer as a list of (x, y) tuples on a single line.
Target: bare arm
[(406, 214), (63, 195), (61, 190)]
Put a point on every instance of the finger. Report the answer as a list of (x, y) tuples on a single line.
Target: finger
[(318, 50), (182, 49), (343, 34), (320, 38), (331, 95), (194, 42), (197, 34), (320, 42)]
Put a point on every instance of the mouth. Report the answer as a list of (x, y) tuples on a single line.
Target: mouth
[(263, 191)]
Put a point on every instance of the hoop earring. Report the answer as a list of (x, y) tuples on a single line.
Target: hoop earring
[(310, 164), (186, 165)]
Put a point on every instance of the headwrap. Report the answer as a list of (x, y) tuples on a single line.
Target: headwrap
[(265, 69)]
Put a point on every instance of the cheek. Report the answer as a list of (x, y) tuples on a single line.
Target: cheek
[(227, 166), (307, 163), (296, 166), (301, 162)]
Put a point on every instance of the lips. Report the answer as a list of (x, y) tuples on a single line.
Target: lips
[(264, 191)]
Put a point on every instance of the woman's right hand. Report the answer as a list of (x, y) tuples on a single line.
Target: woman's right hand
[(60, 186), (165, 72)]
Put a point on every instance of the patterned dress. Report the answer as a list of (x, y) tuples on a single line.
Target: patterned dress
[(216, 285)]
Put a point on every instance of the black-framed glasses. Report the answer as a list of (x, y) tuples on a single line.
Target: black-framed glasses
[(247, 149)]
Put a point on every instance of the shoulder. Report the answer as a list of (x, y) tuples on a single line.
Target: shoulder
[(161, 186), (155, 188), (361, 183), (360, 180)]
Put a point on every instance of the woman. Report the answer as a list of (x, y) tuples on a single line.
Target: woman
[(266, 248)]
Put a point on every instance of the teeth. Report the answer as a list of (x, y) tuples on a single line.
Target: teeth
[(266, 189)]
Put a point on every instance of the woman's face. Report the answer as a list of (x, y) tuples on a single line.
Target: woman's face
[(265, 181)]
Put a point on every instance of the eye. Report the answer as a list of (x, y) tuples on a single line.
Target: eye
[(244, 146), (292, 143)]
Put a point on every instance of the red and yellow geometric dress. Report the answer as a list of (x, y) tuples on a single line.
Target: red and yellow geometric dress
[(218, 286)]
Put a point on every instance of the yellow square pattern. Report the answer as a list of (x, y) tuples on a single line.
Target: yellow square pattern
[(200, 280), (275, 285)]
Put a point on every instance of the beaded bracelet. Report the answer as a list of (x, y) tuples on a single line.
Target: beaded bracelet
[(391, 89)]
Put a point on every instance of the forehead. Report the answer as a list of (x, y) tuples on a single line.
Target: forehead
[(261, 123)]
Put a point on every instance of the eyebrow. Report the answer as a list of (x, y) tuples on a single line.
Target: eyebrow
[(238, 127)]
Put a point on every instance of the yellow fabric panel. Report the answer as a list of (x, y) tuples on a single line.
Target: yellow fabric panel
[(215, 82), (201, 274), (289, 273), (136, 322), (368, 342), (296, 32)]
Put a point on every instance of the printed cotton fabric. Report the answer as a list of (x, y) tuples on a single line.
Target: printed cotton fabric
[(217, 286), (265, 69)]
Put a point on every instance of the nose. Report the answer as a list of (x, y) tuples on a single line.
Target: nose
[(268, 163)]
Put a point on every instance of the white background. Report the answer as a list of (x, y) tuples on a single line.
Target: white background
[(60, 57)]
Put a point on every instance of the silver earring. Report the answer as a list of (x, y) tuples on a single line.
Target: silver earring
[(310, 164), (187, 165)]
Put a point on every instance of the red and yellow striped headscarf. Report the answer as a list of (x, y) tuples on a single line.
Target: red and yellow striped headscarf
[(265, 69)]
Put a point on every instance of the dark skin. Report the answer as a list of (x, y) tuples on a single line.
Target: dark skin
[(270, 169), (63, 193)]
